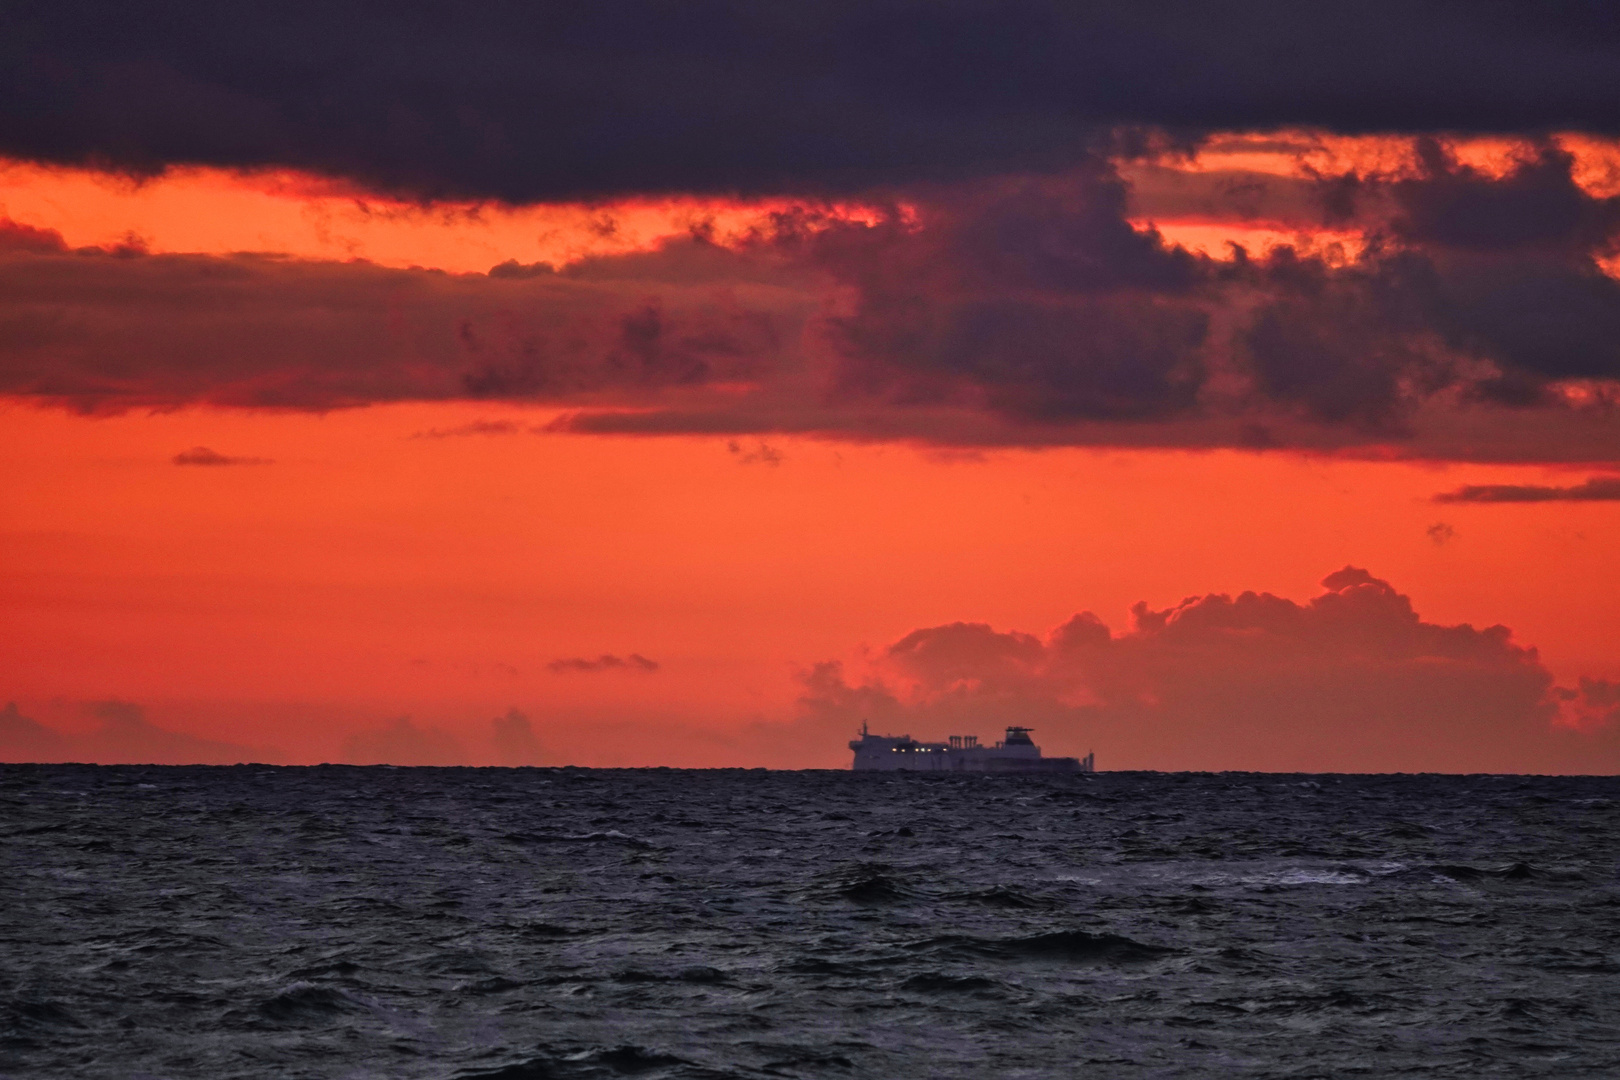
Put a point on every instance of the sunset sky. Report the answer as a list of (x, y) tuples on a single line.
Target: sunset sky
[(685, 384)]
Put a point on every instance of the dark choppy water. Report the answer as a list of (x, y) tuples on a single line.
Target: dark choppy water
[(343, 922)]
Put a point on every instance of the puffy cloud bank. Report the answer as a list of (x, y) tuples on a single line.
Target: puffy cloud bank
[(1352, 680)]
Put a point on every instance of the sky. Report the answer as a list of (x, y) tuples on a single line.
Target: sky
[(689, 384)]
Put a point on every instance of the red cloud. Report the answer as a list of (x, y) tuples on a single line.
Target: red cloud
[(1352, 680), (202, 455), (605, 662), (1594, 489), (123, 736)]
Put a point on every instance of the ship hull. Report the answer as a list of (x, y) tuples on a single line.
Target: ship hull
[(963, 754), (919, 763)]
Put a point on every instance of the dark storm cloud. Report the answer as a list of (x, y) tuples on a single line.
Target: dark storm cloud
[(1490, 284), (1032, 298), (539, 101), (605, 662), (1005, 311), (1595, 489), (1350, 680), (1535, 205), (1341, 345), (1507, 268), (1501, 268), (106, 331)]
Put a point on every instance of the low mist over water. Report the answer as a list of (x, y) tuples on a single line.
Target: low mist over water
[(568, 923)]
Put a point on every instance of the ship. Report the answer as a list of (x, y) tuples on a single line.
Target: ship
[(1015, 753)]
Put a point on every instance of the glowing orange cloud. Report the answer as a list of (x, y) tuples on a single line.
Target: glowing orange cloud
[(215, 211), (204, 210), (1320, 153)]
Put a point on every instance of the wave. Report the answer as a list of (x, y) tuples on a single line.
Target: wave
[(608, 836), (864, 883), (1486, 875), (1003, 896), (1068, 946), (304, 1003), (25, 1023), (699, 973), (932, 982), (600, 1063)]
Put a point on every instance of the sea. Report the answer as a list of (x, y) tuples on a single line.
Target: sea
[(539, 923)]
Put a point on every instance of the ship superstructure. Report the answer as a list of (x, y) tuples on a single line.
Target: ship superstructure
[(1015, 753)]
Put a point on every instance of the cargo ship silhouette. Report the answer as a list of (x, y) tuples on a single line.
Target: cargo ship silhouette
[(1016, 753)]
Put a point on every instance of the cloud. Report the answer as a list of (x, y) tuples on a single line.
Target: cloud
[(202, 455), (23, 739), (477, 427), (123, 736), (763, 453), (1013, 310), (1501, 268), (520, 103), (514, 740), (605, 662), (102, 332), (1594, 489), (1536, 204), (1441, 533), (1592, 705), (19, 237), (1034, 299), (127, 737), (403, 743), (1351, 680)]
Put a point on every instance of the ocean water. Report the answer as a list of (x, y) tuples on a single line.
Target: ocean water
[(572, 923)]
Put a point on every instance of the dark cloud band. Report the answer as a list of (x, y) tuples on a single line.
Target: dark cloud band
[(606, 662), (1026, 310), (1595, 489), (544, 101)]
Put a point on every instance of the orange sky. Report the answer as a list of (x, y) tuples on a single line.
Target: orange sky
[(366, 571), (388, 574)]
